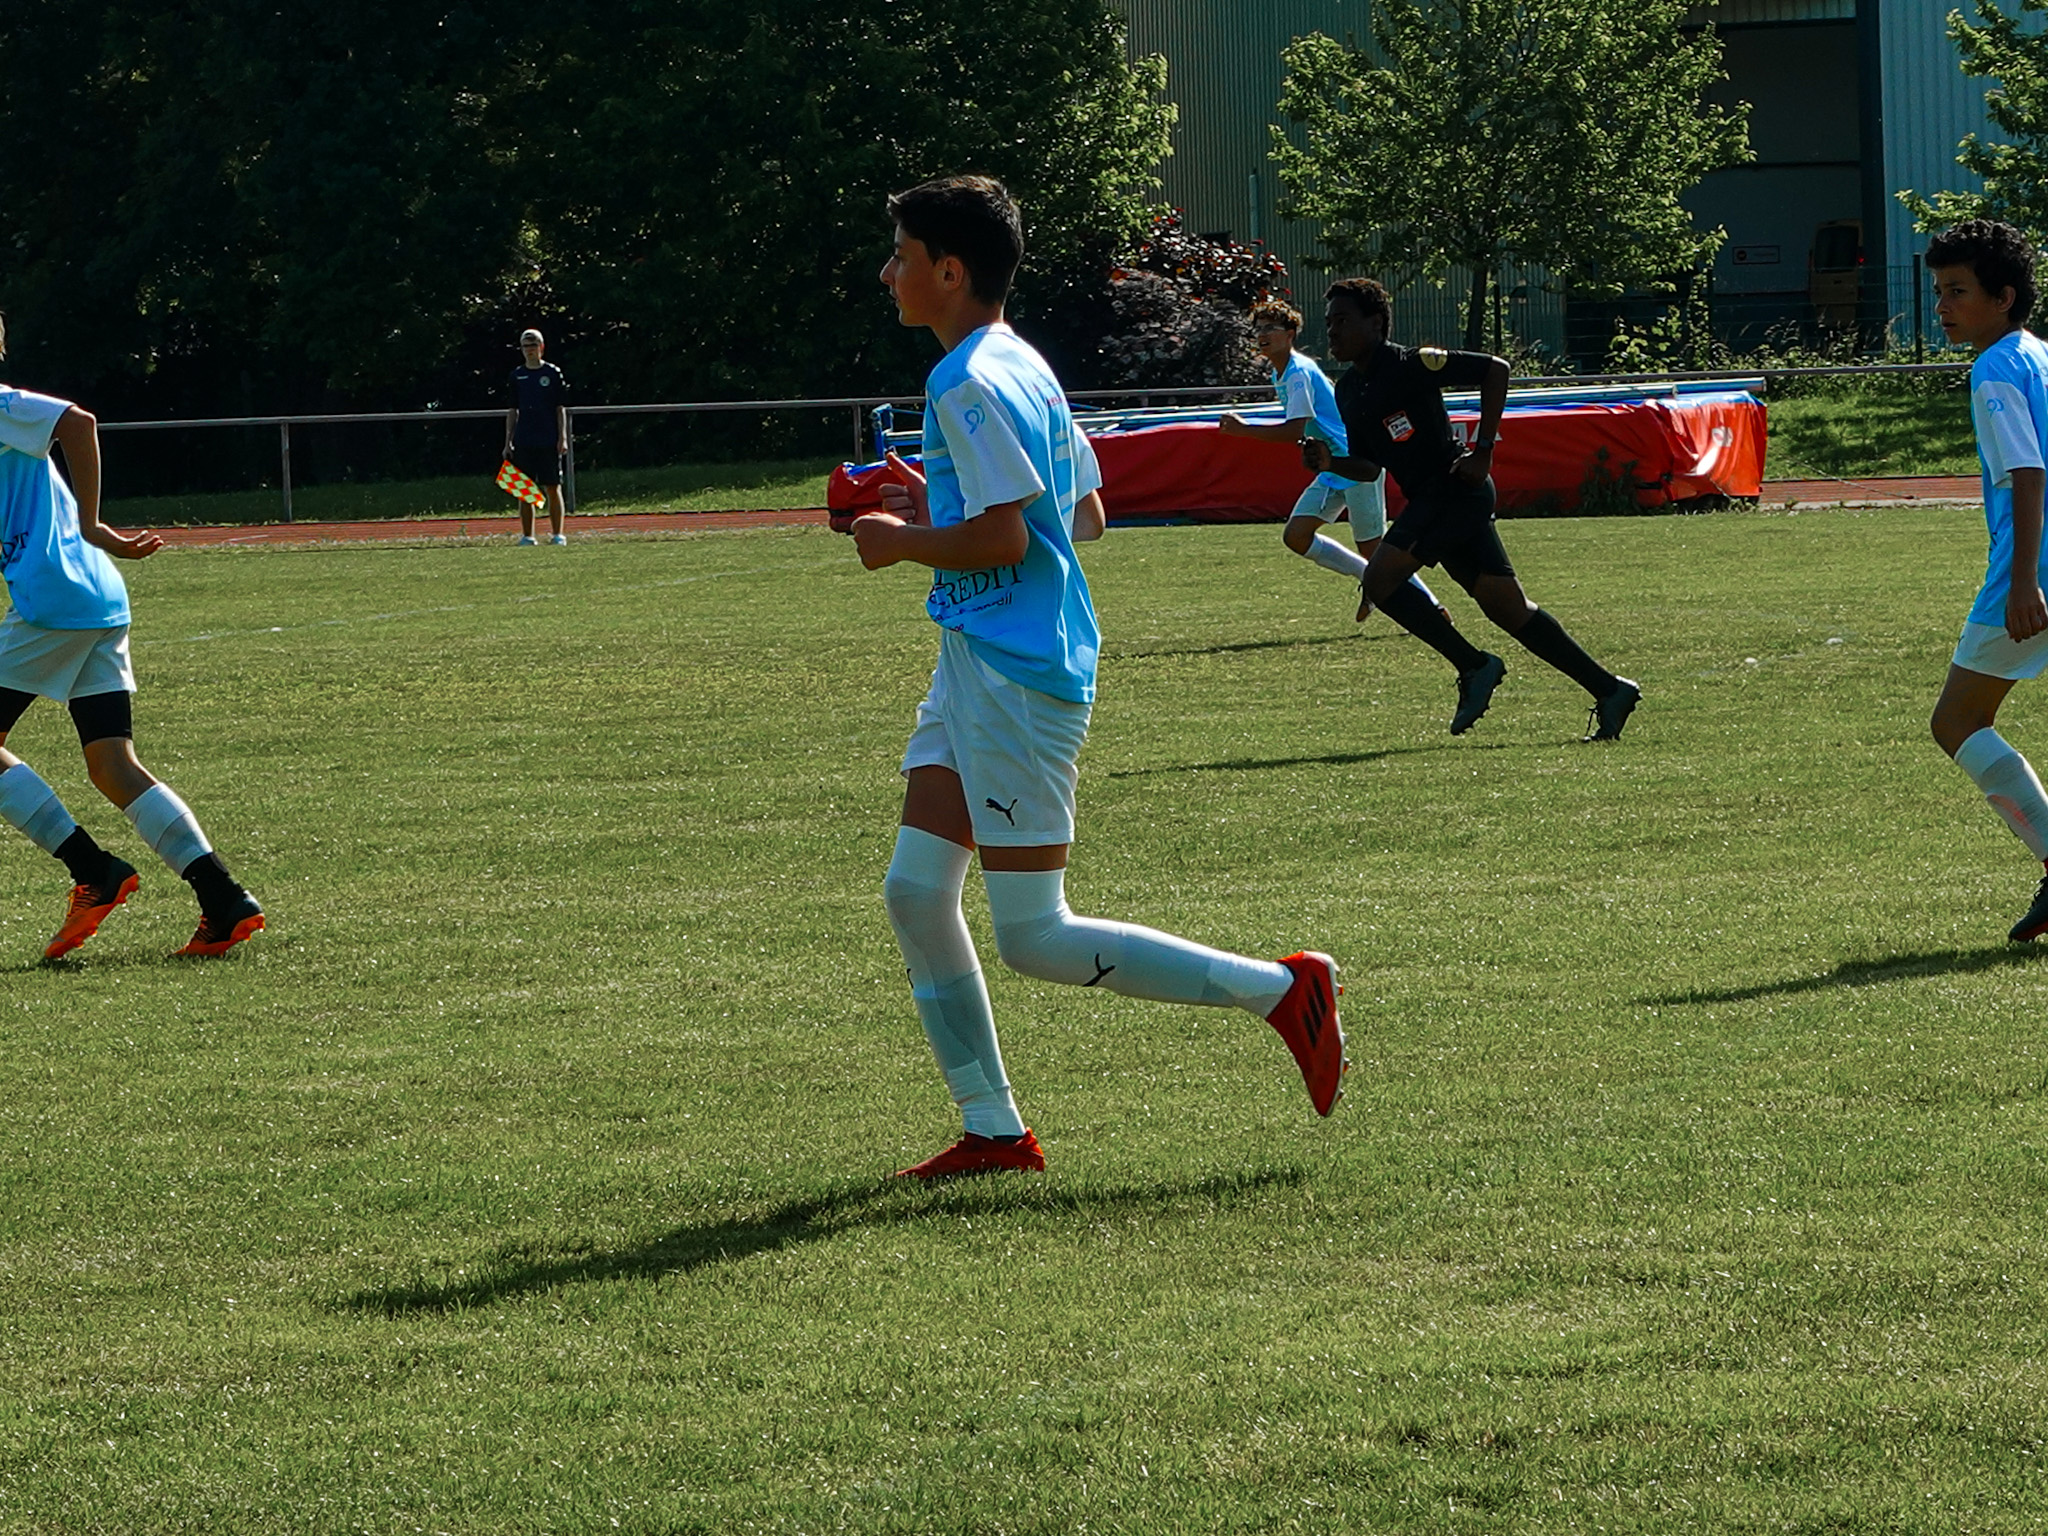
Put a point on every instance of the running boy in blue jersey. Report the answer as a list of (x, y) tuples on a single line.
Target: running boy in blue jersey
[(1984, 290), (1308, 406), (66, 638), (1008, 484)]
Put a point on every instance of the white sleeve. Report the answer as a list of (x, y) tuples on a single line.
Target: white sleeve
[(987, 455), (2006, 431), (28, 421), (1087, 472), (1296, 404)]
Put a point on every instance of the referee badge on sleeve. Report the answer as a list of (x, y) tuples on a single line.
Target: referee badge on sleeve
[(1433, 358)]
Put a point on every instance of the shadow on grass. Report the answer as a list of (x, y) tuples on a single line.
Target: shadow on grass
[(1328, 759), (1870, 973), (863, 1203), (1120, 654)]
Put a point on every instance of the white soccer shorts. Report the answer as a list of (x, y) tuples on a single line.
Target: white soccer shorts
[(64, 664), (1986, 648), (1367, 500), (1013, 747)]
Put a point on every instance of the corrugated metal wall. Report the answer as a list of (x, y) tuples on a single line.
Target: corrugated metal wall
[(1929, 105), (1224, 72)]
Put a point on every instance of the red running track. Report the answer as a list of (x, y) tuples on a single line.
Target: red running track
[(1878, 491)]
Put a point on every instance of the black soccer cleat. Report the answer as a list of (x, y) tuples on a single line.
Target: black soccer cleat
[(2035, 923), (1607, 716), (1475, 692)]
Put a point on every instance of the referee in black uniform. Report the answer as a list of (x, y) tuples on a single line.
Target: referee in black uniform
[(1392, 401)]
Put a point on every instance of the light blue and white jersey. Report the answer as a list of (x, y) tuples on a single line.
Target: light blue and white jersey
[(2009, 408), (997, 429), (55, 579), (1305, 391)]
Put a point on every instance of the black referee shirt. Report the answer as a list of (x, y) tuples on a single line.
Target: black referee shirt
[(538, 392), (1393, 410)]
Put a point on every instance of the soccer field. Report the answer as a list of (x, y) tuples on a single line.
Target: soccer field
[(529, 1172)]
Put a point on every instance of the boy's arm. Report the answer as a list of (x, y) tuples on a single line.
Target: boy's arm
[(511, 422), (1288, 431), (78, 434), (997, 537), (1493, 399), (1090, 518), (1316, 455), (2026, 610)]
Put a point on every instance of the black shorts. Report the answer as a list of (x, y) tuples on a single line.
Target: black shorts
[(543, 466), (1451, 524)]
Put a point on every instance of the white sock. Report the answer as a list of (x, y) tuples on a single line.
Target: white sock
[(1037, 934), (2010, 784), (1423, 587), (922, 890), (1332, 556), (30, 804), (166, 823)]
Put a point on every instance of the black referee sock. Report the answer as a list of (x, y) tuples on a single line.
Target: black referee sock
[(1545, 639), (1422, 619), (86, 859)]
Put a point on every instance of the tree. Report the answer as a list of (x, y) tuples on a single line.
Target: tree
[(2015, 175), (245, 207), (1555, 133)]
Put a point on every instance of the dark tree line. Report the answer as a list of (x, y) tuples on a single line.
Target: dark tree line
[(247, 208)]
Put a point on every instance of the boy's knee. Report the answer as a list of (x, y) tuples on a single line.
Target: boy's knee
[(1031, 946)]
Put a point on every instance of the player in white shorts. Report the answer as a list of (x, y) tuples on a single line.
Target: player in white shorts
[(1984, 290), (1308, 405), (65, 637), (1008, 485)]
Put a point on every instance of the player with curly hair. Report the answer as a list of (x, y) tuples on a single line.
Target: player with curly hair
[(1308, 408), (1392, 398), (1983, 274)]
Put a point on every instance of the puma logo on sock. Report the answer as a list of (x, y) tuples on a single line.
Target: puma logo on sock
[(1101, 971)]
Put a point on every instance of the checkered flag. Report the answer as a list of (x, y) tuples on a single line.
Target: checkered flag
[(518, 483)]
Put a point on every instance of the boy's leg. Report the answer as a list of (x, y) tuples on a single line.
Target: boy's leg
[(922, 892), (1500, 595), (1963, 725), (99, 881), (555, 510), (228, 913)]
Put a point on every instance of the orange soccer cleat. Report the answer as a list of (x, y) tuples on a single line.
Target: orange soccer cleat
[(90, 905), (221, 931), (1307, 1020), (973, 1154)]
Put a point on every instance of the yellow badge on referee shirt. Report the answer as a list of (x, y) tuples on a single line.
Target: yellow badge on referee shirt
[(1433, 358)]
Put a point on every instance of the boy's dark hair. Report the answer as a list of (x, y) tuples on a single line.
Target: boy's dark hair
[(1998, 253), (1273, 312), (1366, 293), (971, 217)]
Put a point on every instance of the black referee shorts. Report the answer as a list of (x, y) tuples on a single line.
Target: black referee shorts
[(1450, 524)]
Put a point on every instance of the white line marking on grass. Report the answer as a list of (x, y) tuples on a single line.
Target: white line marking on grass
[(397, 615)]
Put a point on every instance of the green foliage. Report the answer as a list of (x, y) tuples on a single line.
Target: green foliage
[(2009, 49), (1173, 312), (1558, 133), (241, 208)]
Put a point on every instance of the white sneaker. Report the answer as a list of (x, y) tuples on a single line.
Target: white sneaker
[(560, 538), (527, 538)]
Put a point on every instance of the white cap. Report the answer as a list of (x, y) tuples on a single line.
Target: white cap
[(531, 337)]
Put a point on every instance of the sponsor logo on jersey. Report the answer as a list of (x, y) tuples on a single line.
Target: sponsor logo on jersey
[(1399, 427)]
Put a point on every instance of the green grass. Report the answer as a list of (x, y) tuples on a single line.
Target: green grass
[(527, 1175), (754, 486), (1898, 426)]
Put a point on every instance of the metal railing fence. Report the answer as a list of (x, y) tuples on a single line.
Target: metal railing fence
[(869, 414)]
